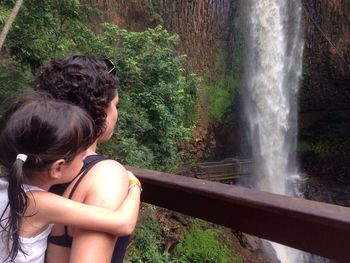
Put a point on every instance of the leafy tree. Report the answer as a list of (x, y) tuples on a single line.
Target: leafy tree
[(14, 79), (157, 95), (45, 29), (9, 22)]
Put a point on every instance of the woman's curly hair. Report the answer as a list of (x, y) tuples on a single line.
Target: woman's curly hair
[(83, 81)]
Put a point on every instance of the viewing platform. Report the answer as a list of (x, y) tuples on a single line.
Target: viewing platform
[(225, 170)]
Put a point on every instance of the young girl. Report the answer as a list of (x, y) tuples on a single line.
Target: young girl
[(43, 142)]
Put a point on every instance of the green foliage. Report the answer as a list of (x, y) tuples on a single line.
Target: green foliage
[(14, 79), (4, 14), (45, 29), (146, 248), (154, 9), (201, 245), (157, 96), (221, 93)]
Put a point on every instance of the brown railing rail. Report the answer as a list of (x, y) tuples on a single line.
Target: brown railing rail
[(315, 227)]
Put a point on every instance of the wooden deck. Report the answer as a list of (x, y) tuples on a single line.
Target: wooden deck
[(318, 228), (218, 171)]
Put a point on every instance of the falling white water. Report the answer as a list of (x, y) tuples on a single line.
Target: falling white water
[(272, 69)]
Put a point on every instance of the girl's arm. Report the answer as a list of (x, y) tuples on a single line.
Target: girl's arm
[(54, 209)]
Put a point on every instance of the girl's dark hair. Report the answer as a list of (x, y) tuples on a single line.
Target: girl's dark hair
[(45, 130), (83, 81)]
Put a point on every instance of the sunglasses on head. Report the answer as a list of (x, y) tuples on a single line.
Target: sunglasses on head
[(110, 66)]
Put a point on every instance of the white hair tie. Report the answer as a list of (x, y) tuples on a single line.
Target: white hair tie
[(22, 157)]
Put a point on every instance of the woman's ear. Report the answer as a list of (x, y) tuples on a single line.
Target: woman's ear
[(56, 169)]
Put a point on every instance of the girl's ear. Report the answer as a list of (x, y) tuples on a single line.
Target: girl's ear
[(56, 169)]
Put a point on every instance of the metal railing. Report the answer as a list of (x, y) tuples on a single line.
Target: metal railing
[(314, 227)]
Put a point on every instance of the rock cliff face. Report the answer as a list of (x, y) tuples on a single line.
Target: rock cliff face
[(324, 97), (203, 26), (207, 26), (326, 84)]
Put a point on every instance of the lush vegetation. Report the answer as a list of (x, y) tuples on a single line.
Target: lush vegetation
[(157, 93), (147, 244), (201, 242), (13, 79), (156, 97), (221, 91)]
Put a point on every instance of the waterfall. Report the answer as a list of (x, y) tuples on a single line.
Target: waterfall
[(271, 73)]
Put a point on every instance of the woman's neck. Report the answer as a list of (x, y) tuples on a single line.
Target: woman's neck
[(92, 149)]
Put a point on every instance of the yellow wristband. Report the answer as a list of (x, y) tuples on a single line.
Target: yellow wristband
[(134, 182), (131, 186)]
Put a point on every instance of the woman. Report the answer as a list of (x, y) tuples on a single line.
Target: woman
[(92, 85)]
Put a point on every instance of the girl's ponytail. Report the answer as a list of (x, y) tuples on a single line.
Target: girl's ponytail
[(18, 204)]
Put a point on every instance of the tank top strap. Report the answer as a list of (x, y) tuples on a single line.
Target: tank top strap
[(89, 162), (66, 240)]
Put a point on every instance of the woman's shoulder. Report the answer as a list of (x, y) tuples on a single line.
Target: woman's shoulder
[(108, 165), (100, 163), (106, 184), (107, 172)]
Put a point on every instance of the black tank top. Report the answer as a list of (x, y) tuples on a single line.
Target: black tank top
[(66, 240)]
